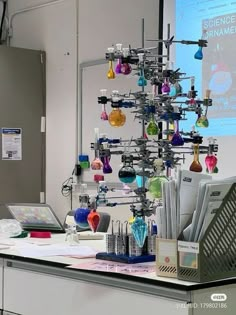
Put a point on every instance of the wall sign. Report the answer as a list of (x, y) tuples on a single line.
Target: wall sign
[(12, 144)]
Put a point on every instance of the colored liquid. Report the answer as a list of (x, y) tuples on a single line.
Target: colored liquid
[(96, 164), (195, 167), (211, 161), (107, 169), (152, 128), (154, 186), (139, 229), (93, 220), (177, 140), (111, 73), (199, 55), (127, 174), (81, 216), (117, 118), (126, 68)]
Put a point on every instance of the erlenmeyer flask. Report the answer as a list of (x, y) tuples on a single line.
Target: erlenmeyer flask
[(142, 81), (202, 122), (210, 161), (199, 55), (165, 87), (104, 115), (116, 118), (196, 165), (125, 66), (139, 229), (93, 220), (96, 164), (118, 67), (155, 183), (107, 169), (141, 179), (82, 212), (177, 140), (170, 130), (178, 88), (152, 128), (173, 91)]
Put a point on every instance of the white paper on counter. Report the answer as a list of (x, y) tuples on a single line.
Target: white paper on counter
[(30, 250)]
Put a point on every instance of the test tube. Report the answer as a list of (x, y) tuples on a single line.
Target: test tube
[(134, 249), (120, 248), (151, 239), (110, 241)]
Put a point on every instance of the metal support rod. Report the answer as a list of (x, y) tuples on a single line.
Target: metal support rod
[(143, 122), (168, 46), (13, 15)]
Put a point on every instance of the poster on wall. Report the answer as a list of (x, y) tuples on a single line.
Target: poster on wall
[(12, 144)]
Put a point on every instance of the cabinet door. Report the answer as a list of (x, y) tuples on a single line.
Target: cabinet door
[(215, 301), (22, 144), (32, 293)]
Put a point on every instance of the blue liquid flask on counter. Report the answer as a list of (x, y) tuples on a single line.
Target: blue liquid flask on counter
[(82, 212)]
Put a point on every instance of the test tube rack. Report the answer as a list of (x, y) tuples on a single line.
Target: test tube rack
[(125, 250)]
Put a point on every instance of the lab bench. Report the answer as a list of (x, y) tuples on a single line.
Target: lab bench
[(31, 286)]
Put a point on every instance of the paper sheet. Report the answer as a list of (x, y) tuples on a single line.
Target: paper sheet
[(31, 250), (159, 223), (110, 266)]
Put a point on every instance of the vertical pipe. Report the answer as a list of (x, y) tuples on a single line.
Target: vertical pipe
[(160, 52), (168, 46), (143, 39), (168, 169), (143, 122)]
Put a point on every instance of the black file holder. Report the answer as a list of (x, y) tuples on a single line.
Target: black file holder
[(214, 257)]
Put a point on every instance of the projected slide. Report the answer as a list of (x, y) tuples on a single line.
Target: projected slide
[(216, 21)]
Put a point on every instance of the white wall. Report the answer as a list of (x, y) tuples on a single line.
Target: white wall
[(53, 29), (101, 24)]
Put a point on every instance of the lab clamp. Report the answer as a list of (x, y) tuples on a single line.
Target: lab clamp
[(159, 113)]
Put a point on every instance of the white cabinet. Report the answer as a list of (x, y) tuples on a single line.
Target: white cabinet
[(204, 303), (33, 293)]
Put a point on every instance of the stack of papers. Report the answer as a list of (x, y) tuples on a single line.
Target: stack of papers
[(179, 202)]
